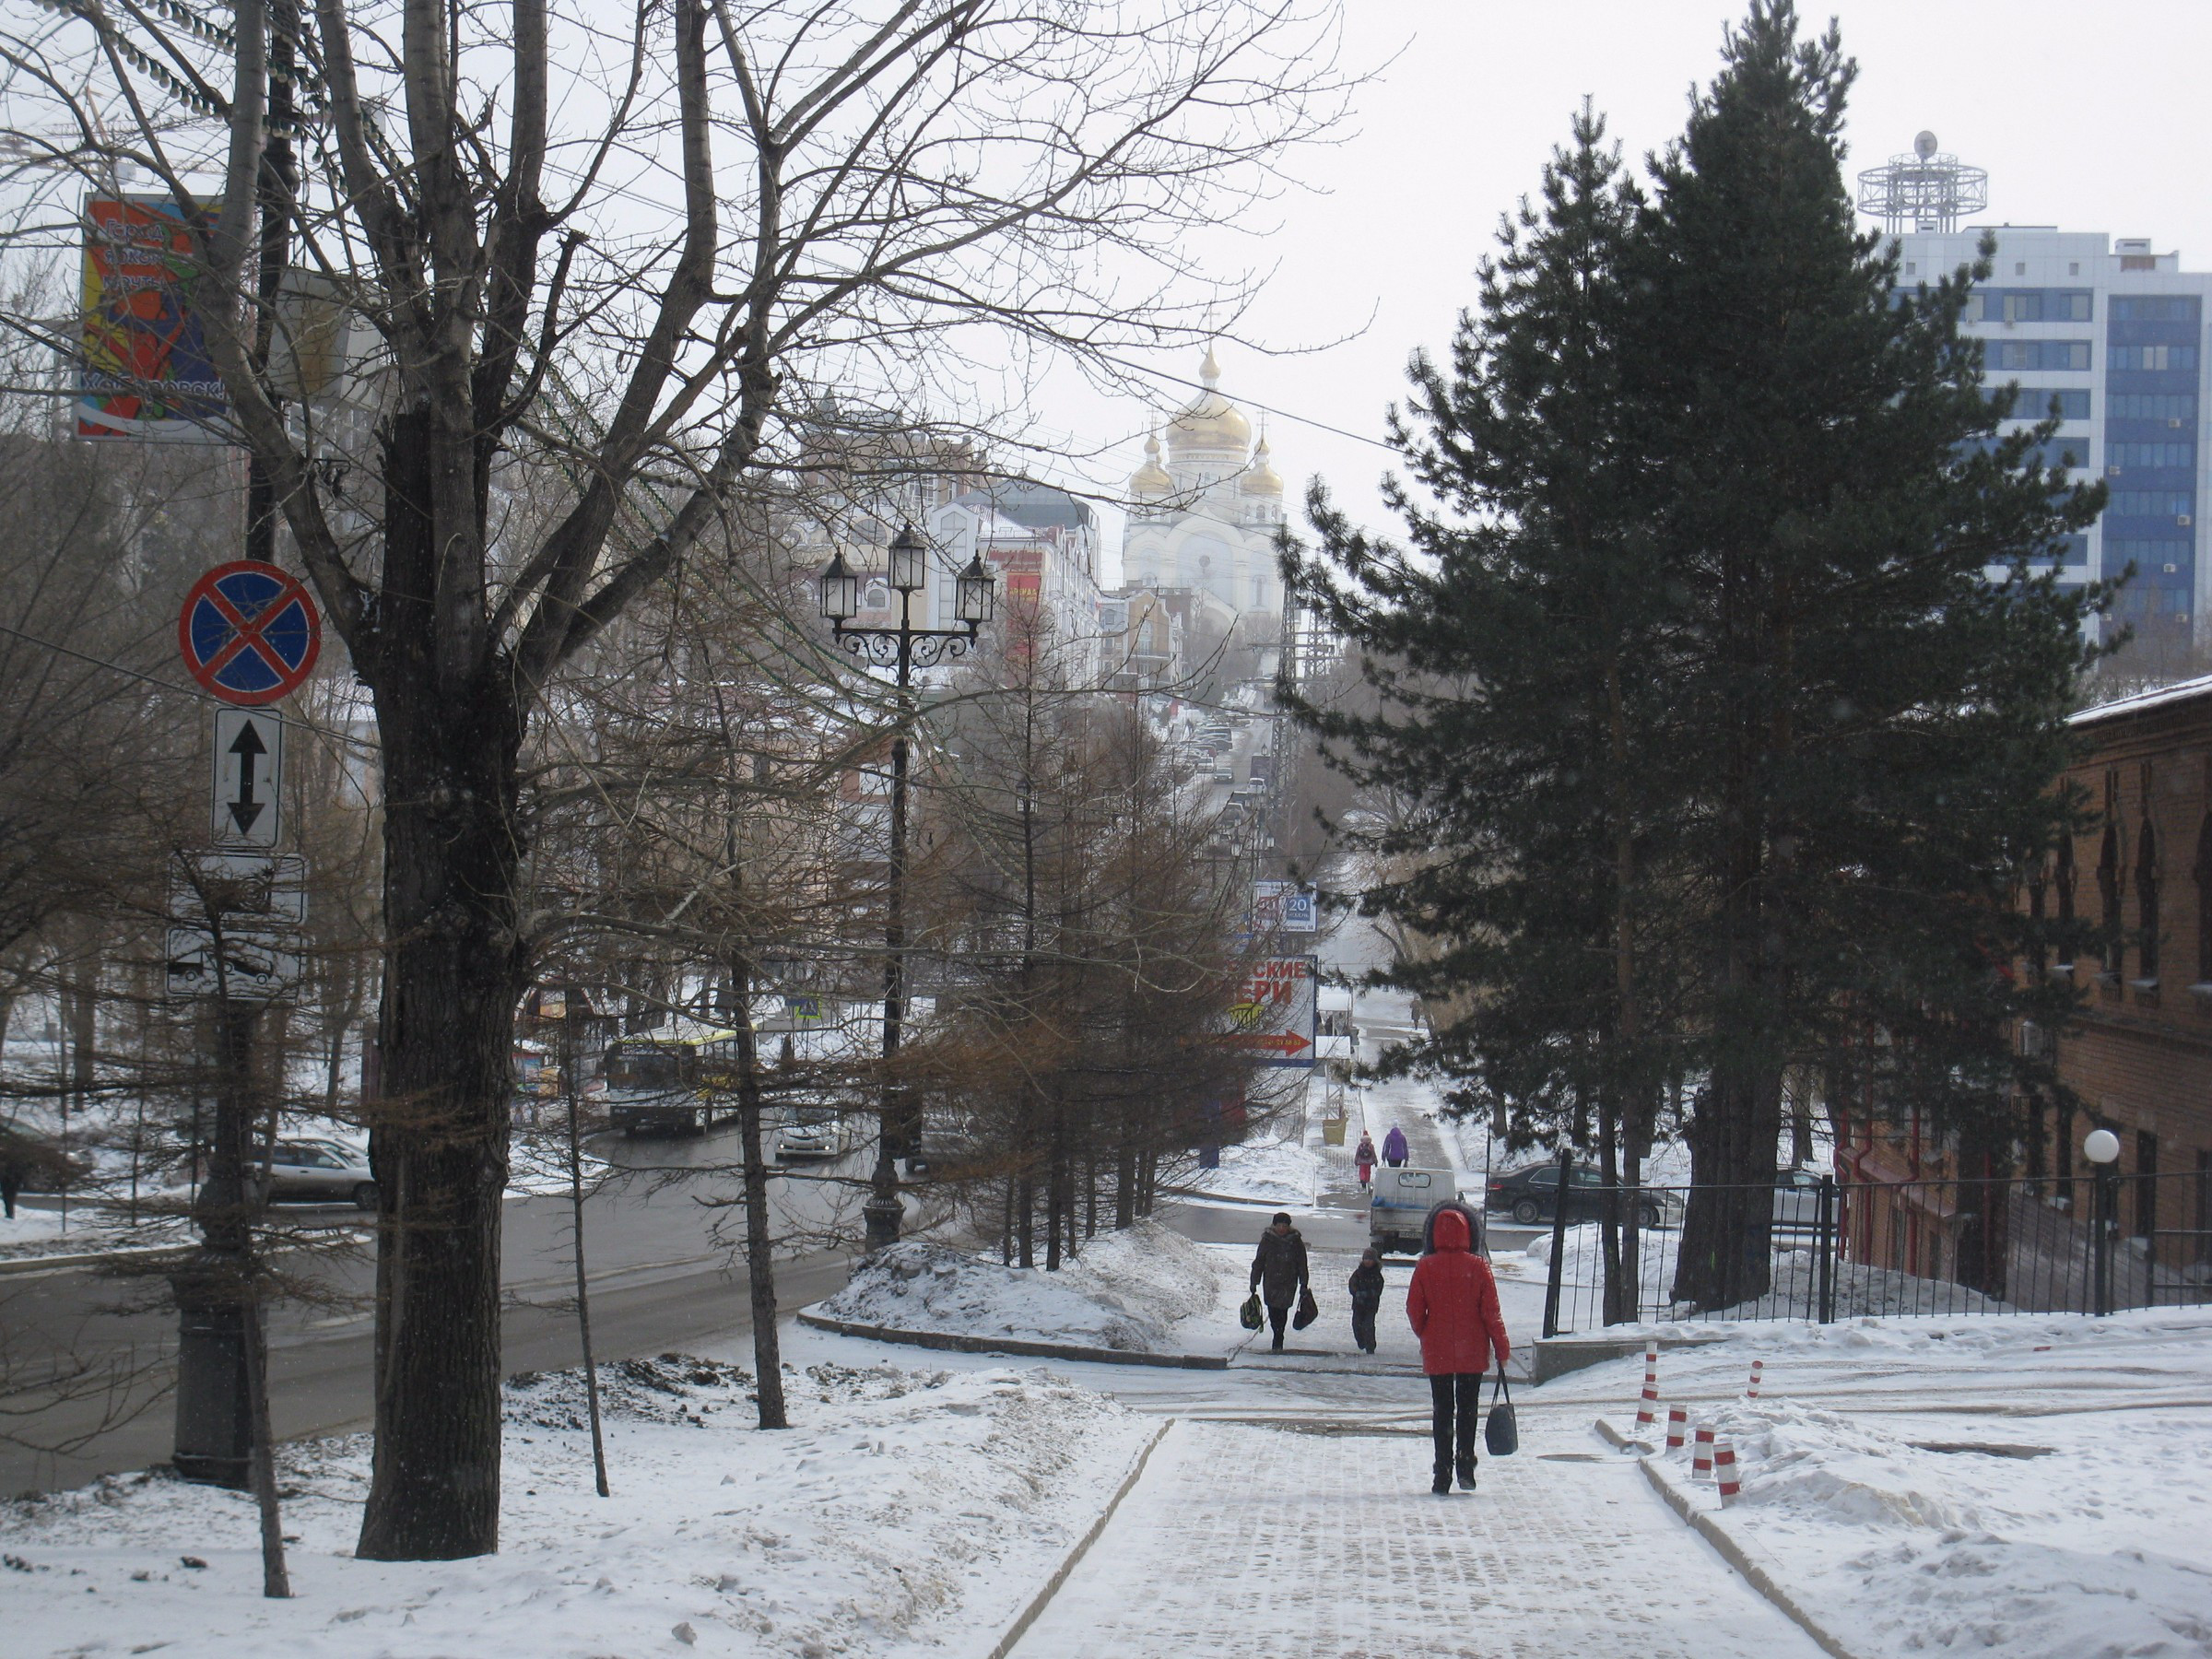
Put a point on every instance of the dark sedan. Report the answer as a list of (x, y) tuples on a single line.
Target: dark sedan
[(1530, 1194)]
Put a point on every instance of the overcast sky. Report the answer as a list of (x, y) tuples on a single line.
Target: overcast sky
[(2088, 116)]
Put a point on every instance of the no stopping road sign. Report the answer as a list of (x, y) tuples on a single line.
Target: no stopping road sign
[(249, 632)]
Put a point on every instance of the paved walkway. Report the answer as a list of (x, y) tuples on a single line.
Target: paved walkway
[(1250, 1543)]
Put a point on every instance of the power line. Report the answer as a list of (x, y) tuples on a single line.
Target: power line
[(171, 686), (1264, 409)]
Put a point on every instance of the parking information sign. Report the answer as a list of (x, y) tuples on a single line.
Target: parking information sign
[(1275, 1016), (249, 632)]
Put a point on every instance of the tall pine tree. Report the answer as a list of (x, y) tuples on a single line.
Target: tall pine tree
[(1516, 641), (1871, 728)]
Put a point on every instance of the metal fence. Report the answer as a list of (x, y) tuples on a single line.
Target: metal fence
[(1845, 1250)]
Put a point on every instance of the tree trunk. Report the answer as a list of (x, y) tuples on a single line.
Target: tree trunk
[(1608, 1174), (759, 1262), (583, 1282), (438, 1131)]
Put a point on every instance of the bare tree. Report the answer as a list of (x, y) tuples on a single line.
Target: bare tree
[(773, 200)]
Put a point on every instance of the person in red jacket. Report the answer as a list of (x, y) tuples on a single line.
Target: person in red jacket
[(1454, 1307)]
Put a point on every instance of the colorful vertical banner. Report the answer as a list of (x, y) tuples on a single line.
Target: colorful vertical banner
[(147, 374)]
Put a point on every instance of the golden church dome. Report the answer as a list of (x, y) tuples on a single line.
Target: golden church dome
[(1210, 421), (1259, 479), (1151, 478)]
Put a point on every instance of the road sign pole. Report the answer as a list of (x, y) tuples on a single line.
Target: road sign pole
[(214, 1425)]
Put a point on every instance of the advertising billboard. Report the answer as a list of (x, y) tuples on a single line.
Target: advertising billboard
[(146, 373), (1274, 1018)]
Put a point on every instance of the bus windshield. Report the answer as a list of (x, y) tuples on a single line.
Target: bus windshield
[(643, 1068)]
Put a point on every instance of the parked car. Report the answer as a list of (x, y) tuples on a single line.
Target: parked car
[(1531, 1195), (39, 1162), (325, 1172), (1796, 1198)]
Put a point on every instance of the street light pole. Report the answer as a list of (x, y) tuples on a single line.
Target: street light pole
[(905, 649), (2102, 1148)]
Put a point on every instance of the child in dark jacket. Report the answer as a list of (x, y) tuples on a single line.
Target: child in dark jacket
[(1366, 1286)]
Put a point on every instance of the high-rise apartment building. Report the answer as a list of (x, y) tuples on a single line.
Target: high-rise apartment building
[(2114, 332)]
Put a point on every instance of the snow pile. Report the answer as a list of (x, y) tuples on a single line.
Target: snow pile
[(93, 1229), (2039, 1486), (904, 1514), (1123, 1292), (1285, 1172)]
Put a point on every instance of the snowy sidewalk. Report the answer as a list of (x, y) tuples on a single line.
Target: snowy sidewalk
[(1249, 1541)]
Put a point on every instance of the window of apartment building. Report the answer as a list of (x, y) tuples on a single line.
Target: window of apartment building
[(2150, 357), (2147, 1185), (2203, 873), (2039, 354), (2036, 304), (2037, 884), (2154, 308), (2202, 1254), (2034, 402), (2061, 1145), (2109, 926), (2151, 503), (2146, 901), (2062, 880), (2126, 455), (2140, 405)]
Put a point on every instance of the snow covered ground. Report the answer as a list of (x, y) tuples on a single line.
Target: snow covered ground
[(2040, 1488), (906, 1513), (1285, 1172), (1126, 1291)]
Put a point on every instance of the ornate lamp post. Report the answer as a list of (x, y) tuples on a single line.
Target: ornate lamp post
[(904, 648)]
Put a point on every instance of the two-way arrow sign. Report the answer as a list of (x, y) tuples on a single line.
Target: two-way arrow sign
[(248, 778)]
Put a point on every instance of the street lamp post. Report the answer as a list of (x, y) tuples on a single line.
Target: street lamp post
[(904, 648), (2102, 1148)]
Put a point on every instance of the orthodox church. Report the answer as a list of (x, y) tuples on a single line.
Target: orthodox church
[(1208, 518)]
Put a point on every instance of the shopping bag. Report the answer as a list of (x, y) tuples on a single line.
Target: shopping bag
[(1308, 1310), (1500, 1434), (1249, 1315)]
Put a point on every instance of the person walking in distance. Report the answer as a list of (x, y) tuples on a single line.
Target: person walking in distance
[(1393, 1147), (1363, 1159), (1366, 1286), (1279, 1272), (1453, 1305)]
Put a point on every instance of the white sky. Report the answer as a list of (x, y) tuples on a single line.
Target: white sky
[(2088, 116)]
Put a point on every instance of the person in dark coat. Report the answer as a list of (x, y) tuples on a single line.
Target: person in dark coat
[(1453, 1305), (1366, 1286), (1393, 1147), (1279, 1272)]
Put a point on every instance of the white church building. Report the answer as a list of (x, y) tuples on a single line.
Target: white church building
[(1208, 517)]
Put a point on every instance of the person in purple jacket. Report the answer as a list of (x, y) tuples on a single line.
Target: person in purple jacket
[(1393, 1147)]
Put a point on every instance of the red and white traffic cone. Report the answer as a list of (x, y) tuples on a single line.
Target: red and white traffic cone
[(1701, 1460), (1757, 1369), (1724, 1473), (1677, 1427), (1647, 1407)]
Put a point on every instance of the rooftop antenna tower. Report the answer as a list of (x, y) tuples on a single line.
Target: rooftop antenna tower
[(1924, 191)]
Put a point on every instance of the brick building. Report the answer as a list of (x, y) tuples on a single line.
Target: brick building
[(2139, 1052)]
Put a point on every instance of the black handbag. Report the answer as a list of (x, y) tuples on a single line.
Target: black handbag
[(1500, 1434), (1308, 1310)]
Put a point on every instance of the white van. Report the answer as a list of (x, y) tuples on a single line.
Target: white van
[(1401, 1203)]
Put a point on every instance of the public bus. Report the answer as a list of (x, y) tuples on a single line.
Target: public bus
[(670, 1084)]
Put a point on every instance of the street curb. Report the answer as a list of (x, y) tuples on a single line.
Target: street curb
[(1734, 1553), (953, 1341), (92, 1258), (1038, 1602)]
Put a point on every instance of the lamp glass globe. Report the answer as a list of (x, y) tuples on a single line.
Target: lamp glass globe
[(2100, 1147)]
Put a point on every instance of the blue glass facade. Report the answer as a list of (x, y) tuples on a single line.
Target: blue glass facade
[(2152, 371)]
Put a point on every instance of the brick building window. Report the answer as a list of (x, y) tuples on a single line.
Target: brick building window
[(2110, 928), (2062, 878), (2146, 900), (2203, 873), (2203, 1252), (2036, 884), (2146, 1188)]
